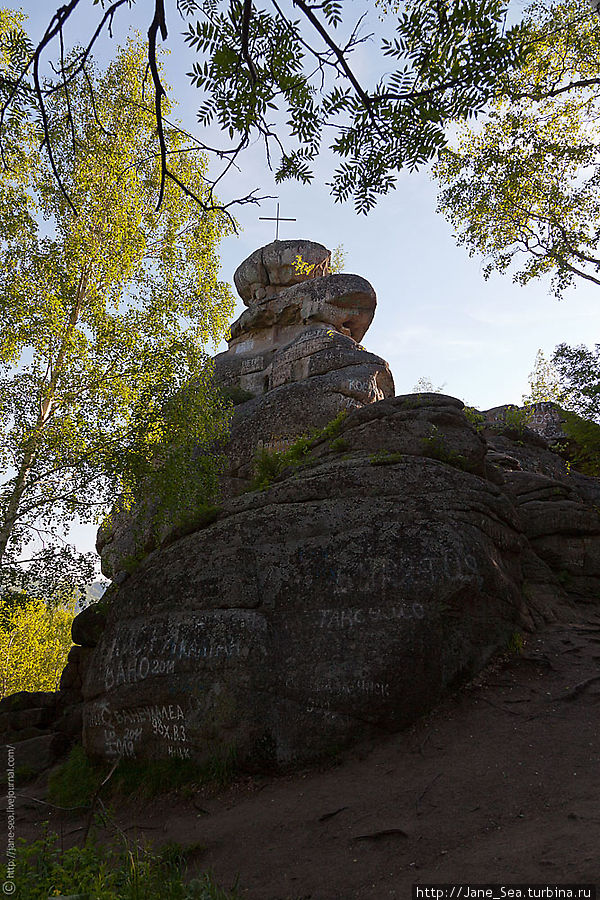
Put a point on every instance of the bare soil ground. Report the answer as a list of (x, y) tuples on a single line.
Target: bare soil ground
[(500, 783)]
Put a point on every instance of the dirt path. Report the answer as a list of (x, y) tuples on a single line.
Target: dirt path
[(500, 783)]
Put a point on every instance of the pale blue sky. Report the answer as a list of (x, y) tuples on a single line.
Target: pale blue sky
[(436, 315)]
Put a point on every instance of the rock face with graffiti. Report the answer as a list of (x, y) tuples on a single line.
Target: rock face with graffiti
[(343, 600)]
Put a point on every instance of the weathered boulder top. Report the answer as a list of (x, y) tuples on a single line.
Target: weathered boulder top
[(302, 325), (544, 418), (346, 302), (271, 269), (285, 303)]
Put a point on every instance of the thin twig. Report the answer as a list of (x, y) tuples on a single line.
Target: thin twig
[(431, 783), (96, 799), (53, 805)]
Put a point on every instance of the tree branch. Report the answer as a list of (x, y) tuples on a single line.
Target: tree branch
[(366, 101), (246, 17), (158, 22), (555, 92)]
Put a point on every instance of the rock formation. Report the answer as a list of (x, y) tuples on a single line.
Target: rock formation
[(341, 601), (295, 353), (543, 418), (344, 599)]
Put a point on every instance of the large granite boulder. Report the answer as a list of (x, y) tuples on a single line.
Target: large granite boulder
[(346, 597), (338, 603)]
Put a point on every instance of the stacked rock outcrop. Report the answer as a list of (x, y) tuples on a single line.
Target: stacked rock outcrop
[(346, 597), (296, 350), (294, 353)]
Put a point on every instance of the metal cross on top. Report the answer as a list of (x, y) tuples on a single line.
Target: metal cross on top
[(277, 219)]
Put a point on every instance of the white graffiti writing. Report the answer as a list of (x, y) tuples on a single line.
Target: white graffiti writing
[(136, 669), (170, 732), (347, 618)]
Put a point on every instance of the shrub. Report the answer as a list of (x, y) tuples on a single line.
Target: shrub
[(475, 418), (435, 447), (107, 873), (75, 782), (268, 465), (583, 449), (34, 642), (331, 430)]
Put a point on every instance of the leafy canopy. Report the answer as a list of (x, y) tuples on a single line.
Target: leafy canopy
[(524, 189), (285, 75), (545, 383), (571, 379), (107, 305), (578, 371), (34, 643)]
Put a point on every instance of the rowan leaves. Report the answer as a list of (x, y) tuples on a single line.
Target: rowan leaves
[(288, 76)]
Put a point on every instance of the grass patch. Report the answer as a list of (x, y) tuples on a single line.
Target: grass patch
[(385, 458), (107, 873), (331, 430), (188, 521), (339, 444), (236, 395), (146, 779), (269, 465), (413, 401), (76, 781), (515, 643), (435, 447), (191, 521), (133, 561), (563, 578)]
